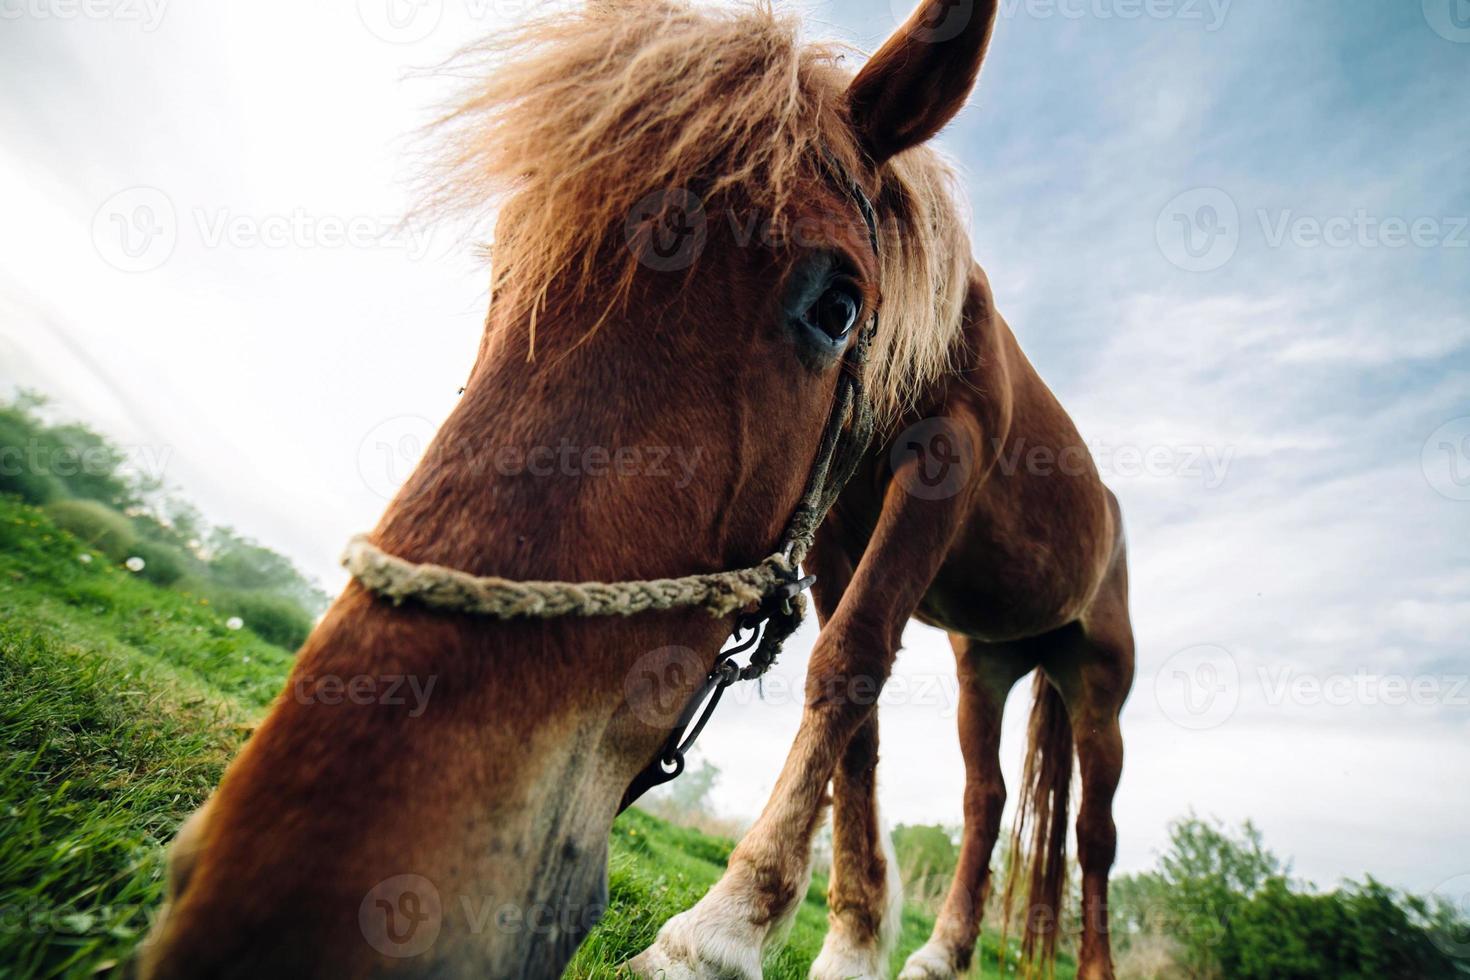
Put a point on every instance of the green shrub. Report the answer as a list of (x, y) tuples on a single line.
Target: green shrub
[(97, 525), (43, 462), (275, 619), (33, 488), (18, 473)]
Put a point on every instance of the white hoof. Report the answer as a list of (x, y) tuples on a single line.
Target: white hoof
[(843, 960), (929, 962), (699, 945)]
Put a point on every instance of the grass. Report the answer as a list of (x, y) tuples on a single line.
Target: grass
[(120, 704)]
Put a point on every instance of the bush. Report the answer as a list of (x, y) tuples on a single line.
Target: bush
[(43, 462), (1221, 905), (33, 488), (275, 619), (97, 525), (237, 562), (18, 474)]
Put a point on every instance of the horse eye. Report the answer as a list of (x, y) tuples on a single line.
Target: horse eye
[(836, 311)]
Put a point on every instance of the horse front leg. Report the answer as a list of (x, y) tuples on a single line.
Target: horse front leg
[(728, 931), (865, 893)]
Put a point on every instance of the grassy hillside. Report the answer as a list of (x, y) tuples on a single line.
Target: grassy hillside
[(121, 702)]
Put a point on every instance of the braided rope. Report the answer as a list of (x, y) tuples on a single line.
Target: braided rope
[(721, 593)]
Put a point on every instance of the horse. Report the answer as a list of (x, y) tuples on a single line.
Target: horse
[(680, 261)]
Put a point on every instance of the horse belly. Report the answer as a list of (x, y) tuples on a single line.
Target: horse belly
[(1013, 575)]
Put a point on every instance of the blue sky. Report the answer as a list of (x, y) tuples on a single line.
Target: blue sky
[(1281, 400)]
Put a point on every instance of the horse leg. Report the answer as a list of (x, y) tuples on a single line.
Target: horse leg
[(1093, 669), (987, 672), (727, 931), (864, 895)]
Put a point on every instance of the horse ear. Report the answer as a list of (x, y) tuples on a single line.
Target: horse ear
[(920, 78)]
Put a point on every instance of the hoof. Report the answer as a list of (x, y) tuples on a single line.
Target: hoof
[(929, 962), (695, 946), (842, 960), (654, 964)]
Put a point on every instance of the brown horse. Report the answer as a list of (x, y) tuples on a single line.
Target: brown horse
[(676, 270)]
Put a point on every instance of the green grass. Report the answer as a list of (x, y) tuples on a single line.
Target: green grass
[(121, 702)]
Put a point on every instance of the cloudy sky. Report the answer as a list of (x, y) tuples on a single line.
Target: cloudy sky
[(1233, 236)]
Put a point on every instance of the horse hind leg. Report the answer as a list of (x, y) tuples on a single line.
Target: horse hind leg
[(1092, 667), (987, 673)]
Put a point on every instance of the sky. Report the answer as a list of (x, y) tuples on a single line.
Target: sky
[(1234, 238)]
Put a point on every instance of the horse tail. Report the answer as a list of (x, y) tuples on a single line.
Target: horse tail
[(1039, 833)]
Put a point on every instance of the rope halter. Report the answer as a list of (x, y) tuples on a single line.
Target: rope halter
[(769, 597)]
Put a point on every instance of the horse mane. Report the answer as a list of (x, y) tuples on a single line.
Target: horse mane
[(574, 118)]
